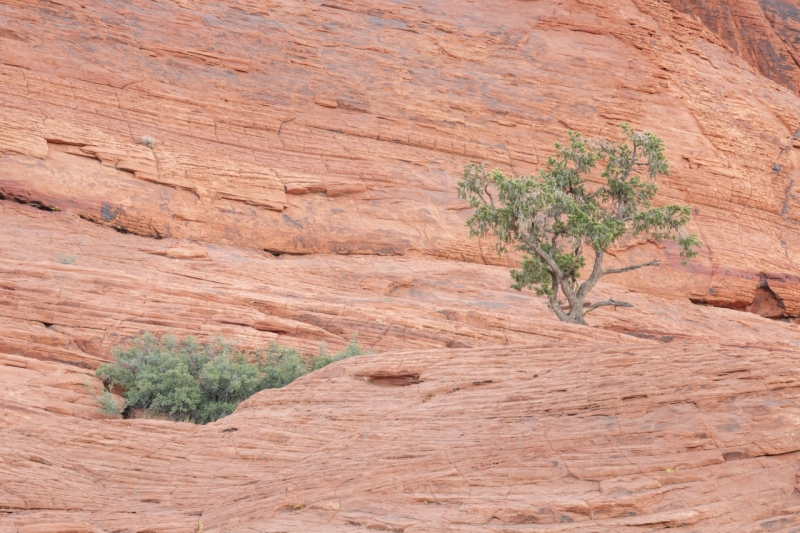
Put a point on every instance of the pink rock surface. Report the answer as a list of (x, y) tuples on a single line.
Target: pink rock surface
[(666, 415), (310, 128), (120, 285), (297, 184), (543, 437)]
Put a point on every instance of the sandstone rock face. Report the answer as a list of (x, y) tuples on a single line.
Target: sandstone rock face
[(766, 33), (283, 170), (668, 415), (597, 436), (307, 128)]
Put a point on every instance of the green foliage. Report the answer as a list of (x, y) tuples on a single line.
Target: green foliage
[(281, 366), (106, 403), (65, 259), (198, 382), (553, 215), (323, 359), (148, 141)]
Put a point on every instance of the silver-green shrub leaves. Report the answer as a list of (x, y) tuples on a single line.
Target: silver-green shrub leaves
[(195, 382), (553, 216)]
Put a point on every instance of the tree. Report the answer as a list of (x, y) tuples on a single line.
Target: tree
[(553, 216)]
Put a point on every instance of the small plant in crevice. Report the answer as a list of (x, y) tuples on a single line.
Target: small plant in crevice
[(195, 382), (106, 402), (65, 259), (148, 141), (323, 359)]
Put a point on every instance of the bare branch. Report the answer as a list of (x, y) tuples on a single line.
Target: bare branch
[(486, 186), (606, 303), (486, 190), (654, 262)]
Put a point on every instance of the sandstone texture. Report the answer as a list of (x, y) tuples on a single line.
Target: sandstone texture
[(478, 411), (671, 414), (284, 171), (313, 128), (766, 33), (601, 437)]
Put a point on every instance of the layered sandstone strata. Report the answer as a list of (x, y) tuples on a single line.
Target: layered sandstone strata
[(477, 410), (307, 128), (284, 171), (764, 33)]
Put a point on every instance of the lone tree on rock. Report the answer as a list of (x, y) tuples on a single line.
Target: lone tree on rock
[(551, 217)]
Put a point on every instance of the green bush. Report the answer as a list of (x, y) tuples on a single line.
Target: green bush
[(323, 359), (106, 402), (200, 383)]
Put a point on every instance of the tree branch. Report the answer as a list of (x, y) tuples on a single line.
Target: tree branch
[(654, 262), (597, 273), (544, 256), (607, 303), (486, 190), (486, 181), (634, 158), (568, 291), (554, 305)]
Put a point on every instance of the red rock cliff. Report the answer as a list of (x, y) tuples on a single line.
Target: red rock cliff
[(284, 170), (299, 127), (766, 33)]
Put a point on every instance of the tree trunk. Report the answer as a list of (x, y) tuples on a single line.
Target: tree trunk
[(575, 315), (575, 301)]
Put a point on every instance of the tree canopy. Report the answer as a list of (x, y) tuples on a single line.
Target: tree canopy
[(553, 216)]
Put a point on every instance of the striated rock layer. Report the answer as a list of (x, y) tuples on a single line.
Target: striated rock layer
[(766, 33), (340, 128), (600, 437), (117, 285), (284, 171), (669, 415)]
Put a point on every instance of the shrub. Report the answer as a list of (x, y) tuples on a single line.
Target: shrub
[(200, 383), (106, 402), (281, 366), (323, 359), (148, 141)]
